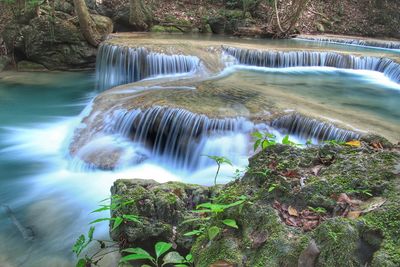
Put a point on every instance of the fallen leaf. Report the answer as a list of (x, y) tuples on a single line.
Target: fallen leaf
[(354, 143), (293, 212), (222, 264), (309, 225), (354, 214), (343, 198)]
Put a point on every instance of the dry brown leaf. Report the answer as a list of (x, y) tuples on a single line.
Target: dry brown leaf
[(222, 264), (343, 198), (293, 212), (354, 214)]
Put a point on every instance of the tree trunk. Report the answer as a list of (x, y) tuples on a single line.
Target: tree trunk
[(138, 15), (86, 23)]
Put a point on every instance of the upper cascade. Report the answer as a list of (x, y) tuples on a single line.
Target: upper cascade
[(117, 65), (349, 41), (274, 59), (308, 128)]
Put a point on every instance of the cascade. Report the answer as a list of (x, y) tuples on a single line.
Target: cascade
[(307, 128), (358, 42), (116, 65), (273, 59), (176, 135)]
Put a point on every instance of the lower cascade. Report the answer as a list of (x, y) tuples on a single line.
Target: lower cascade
[(307, 128), (273, 59), (118, 65), (176, 137)]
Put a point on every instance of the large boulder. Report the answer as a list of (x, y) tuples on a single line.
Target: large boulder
[(330, 205), (56, 43)]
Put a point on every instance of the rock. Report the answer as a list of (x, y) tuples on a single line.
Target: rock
[(26, 65), (217, 25), (4, 61), (161, 207), (57, 45), (309, 256), (320, 27)]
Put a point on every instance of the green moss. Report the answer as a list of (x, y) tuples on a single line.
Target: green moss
[(338, 240), (159, 28), (207, 252), (387, 221)]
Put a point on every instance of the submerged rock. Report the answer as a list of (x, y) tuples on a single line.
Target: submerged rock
[(331, 205)]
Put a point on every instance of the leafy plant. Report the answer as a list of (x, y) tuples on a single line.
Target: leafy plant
[(219, 161), (82, 242), (286, 141), (160, 249), (263, 140), (318, 210)]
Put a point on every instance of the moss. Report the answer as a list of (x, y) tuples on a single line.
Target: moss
[(387, 221), (159, 28), (207, 252), (338, 240)]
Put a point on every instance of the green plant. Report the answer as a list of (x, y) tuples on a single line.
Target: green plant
[(286, 141), (160, 249), (263, 140), (83, 242), (219, 161), (318, 210)]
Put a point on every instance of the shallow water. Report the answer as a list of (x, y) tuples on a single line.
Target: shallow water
[(38, 112)]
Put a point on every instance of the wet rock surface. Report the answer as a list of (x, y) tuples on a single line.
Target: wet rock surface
[(338, 206)]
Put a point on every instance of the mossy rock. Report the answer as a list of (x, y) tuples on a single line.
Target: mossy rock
[(162, 209), (301, 177)]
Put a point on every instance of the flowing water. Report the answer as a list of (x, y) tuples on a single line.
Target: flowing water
[(51, 195)]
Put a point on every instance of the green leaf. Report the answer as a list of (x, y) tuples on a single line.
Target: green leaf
[(81, 263), (90, 233), (213, 231), (257, 135), (189, 257), (173, 257), (230, 223), (194, 232), (285, 140), (136, 251), (103, 208), (136, 257), (117, 222), (132, 218), (79, 245), (257, 144), (161, 248), (102, 220)]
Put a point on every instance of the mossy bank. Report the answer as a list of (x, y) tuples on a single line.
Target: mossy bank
[(329, 205)]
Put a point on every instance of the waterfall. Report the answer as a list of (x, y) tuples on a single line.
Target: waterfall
[(357, 42), (273, 59), (307, 128), (117, 65), (179, 137)]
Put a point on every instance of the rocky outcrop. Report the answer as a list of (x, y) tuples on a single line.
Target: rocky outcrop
[(331, 205), (162, 209), (56, 43)]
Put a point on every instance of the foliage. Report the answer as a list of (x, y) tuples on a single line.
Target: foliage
[(160, 249), (82, 242), (219, 161), (263, 140)]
